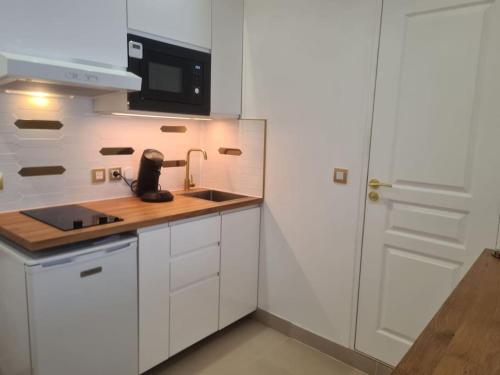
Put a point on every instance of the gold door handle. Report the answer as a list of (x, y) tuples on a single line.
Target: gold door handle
[(375, 184)]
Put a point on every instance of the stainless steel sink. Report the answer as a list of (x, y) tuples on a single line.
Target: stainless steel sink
[(214, 195)]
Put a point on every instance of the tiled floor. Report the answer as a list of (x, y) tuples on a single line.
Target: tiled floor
[(250, 348)]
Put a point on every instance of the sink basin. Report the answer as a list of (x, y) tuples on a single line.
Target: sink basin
[(214, 195)]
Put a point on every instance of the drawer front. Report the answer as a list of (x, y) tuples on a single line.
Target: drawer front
[(190, 268), (194, 314), (196, 234)]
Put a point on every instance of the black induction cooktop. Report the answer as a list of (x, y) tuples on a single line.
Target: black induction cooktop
[(71, 217)]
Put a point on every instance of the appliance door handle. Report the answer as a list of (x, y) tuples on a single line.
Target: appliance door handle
[(90, 272)]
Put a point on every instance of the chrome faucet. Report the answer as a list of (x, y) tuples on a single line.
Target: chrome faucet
[(188, 181)]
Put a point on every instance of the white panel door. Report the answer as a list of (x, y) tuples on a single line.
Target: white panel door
[(435, 136), (186, 21)]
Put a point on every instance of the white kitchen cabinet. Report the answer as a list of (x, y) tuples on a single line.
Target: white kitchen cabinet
[(195, 266), (227, 57), (196, 276), (154, 296), (90, 30), (195, 234), (239, 264), (188, 22), (194, 314)]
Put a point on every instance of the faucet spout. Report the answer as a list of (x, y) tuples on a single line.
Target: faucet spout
[(188, 181)]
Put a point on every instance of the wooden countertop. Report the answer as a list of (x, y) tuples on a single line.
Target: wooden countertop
[(35, 235), (464, 336)]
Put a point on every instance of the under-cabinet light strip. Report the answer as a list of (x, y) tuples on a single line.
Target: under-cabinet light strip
[(163, 117)]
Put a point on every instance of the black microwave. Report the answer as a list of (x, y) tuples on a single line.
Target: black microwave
[(174, 79)]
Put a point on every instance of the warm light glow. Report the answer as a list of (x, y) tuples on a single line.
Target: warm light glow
[(38, 94), (158, 116), (39, 101)]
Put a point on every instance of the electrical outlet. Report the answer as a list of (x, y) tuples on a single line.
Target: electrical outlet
[(98, 175), (111, 172)]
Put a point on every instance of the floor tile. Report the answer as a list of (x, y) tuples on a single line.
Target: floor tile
[(247, 348), (300, 359)]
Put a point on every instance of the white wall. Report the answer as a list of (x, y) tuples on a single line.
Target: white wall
[(240, 174), (309, 69)]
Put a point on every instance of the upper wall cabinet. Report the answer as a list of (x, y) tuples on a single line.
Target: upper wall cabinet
[(185, 21), (90, 30), (227, 57)]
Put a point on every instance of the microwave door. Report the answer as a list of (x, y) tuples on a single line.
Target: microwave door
[(165, 79)]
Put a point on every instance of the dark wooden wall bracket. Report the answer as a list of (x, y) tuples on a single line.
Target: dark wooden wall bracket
[(112, 151), (38, 124), (173, 129), (230, 151), (42, 171), (174, 163)]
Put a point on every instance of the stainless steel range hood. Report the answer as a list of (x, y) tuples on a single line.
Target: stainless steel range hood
[(28, 74)]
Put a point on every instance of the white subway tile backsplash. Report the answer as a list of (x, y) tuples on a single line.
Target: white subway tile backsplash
[(77, 144)]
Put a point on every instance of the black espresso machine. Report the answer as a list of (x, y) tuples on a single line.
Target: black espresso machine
[(147, 184)]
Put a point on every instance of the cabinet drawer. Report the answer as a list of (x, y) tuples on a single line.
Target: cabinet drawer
[(194, 314), (194, 267), (196, 234)]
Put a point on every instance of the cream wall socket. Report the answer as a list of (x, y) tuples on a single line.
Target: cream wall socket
[(113, 170), (98, 176)]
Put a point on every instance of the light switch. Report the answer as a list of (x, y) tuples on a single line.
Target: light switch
[(340, 175), (98, 176)]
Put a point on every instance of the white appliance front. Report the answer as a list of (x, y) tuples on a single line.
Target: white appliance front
[(83, 313)]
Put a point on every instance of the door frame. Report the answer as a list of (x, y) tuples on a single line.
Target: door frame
[(364, 176)]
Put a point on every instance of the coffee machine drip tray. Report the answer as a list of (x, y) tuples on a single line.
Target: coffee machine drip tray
[(157, 196), (71, 217)]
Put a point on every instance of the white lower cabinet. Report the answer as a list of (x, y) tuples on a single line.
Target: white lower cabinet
[(240, 238), (194, 314), (195, 277), (154, 296)]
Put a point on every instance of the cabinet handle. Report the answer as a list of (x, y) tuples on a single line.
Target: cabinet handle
[(93, 271)]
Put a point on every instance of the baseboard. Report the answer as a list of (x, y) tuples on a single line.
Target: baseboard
[(343, 354)]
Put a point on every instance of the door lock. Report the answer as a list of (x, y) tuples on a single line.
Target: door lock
[(374, 196)]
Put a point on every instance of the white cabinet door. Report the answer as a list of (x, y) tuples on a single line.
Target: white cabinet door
[(194, 314), (239, 264), (154, 296), (186, 21), (91, 30), (227, 57)]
